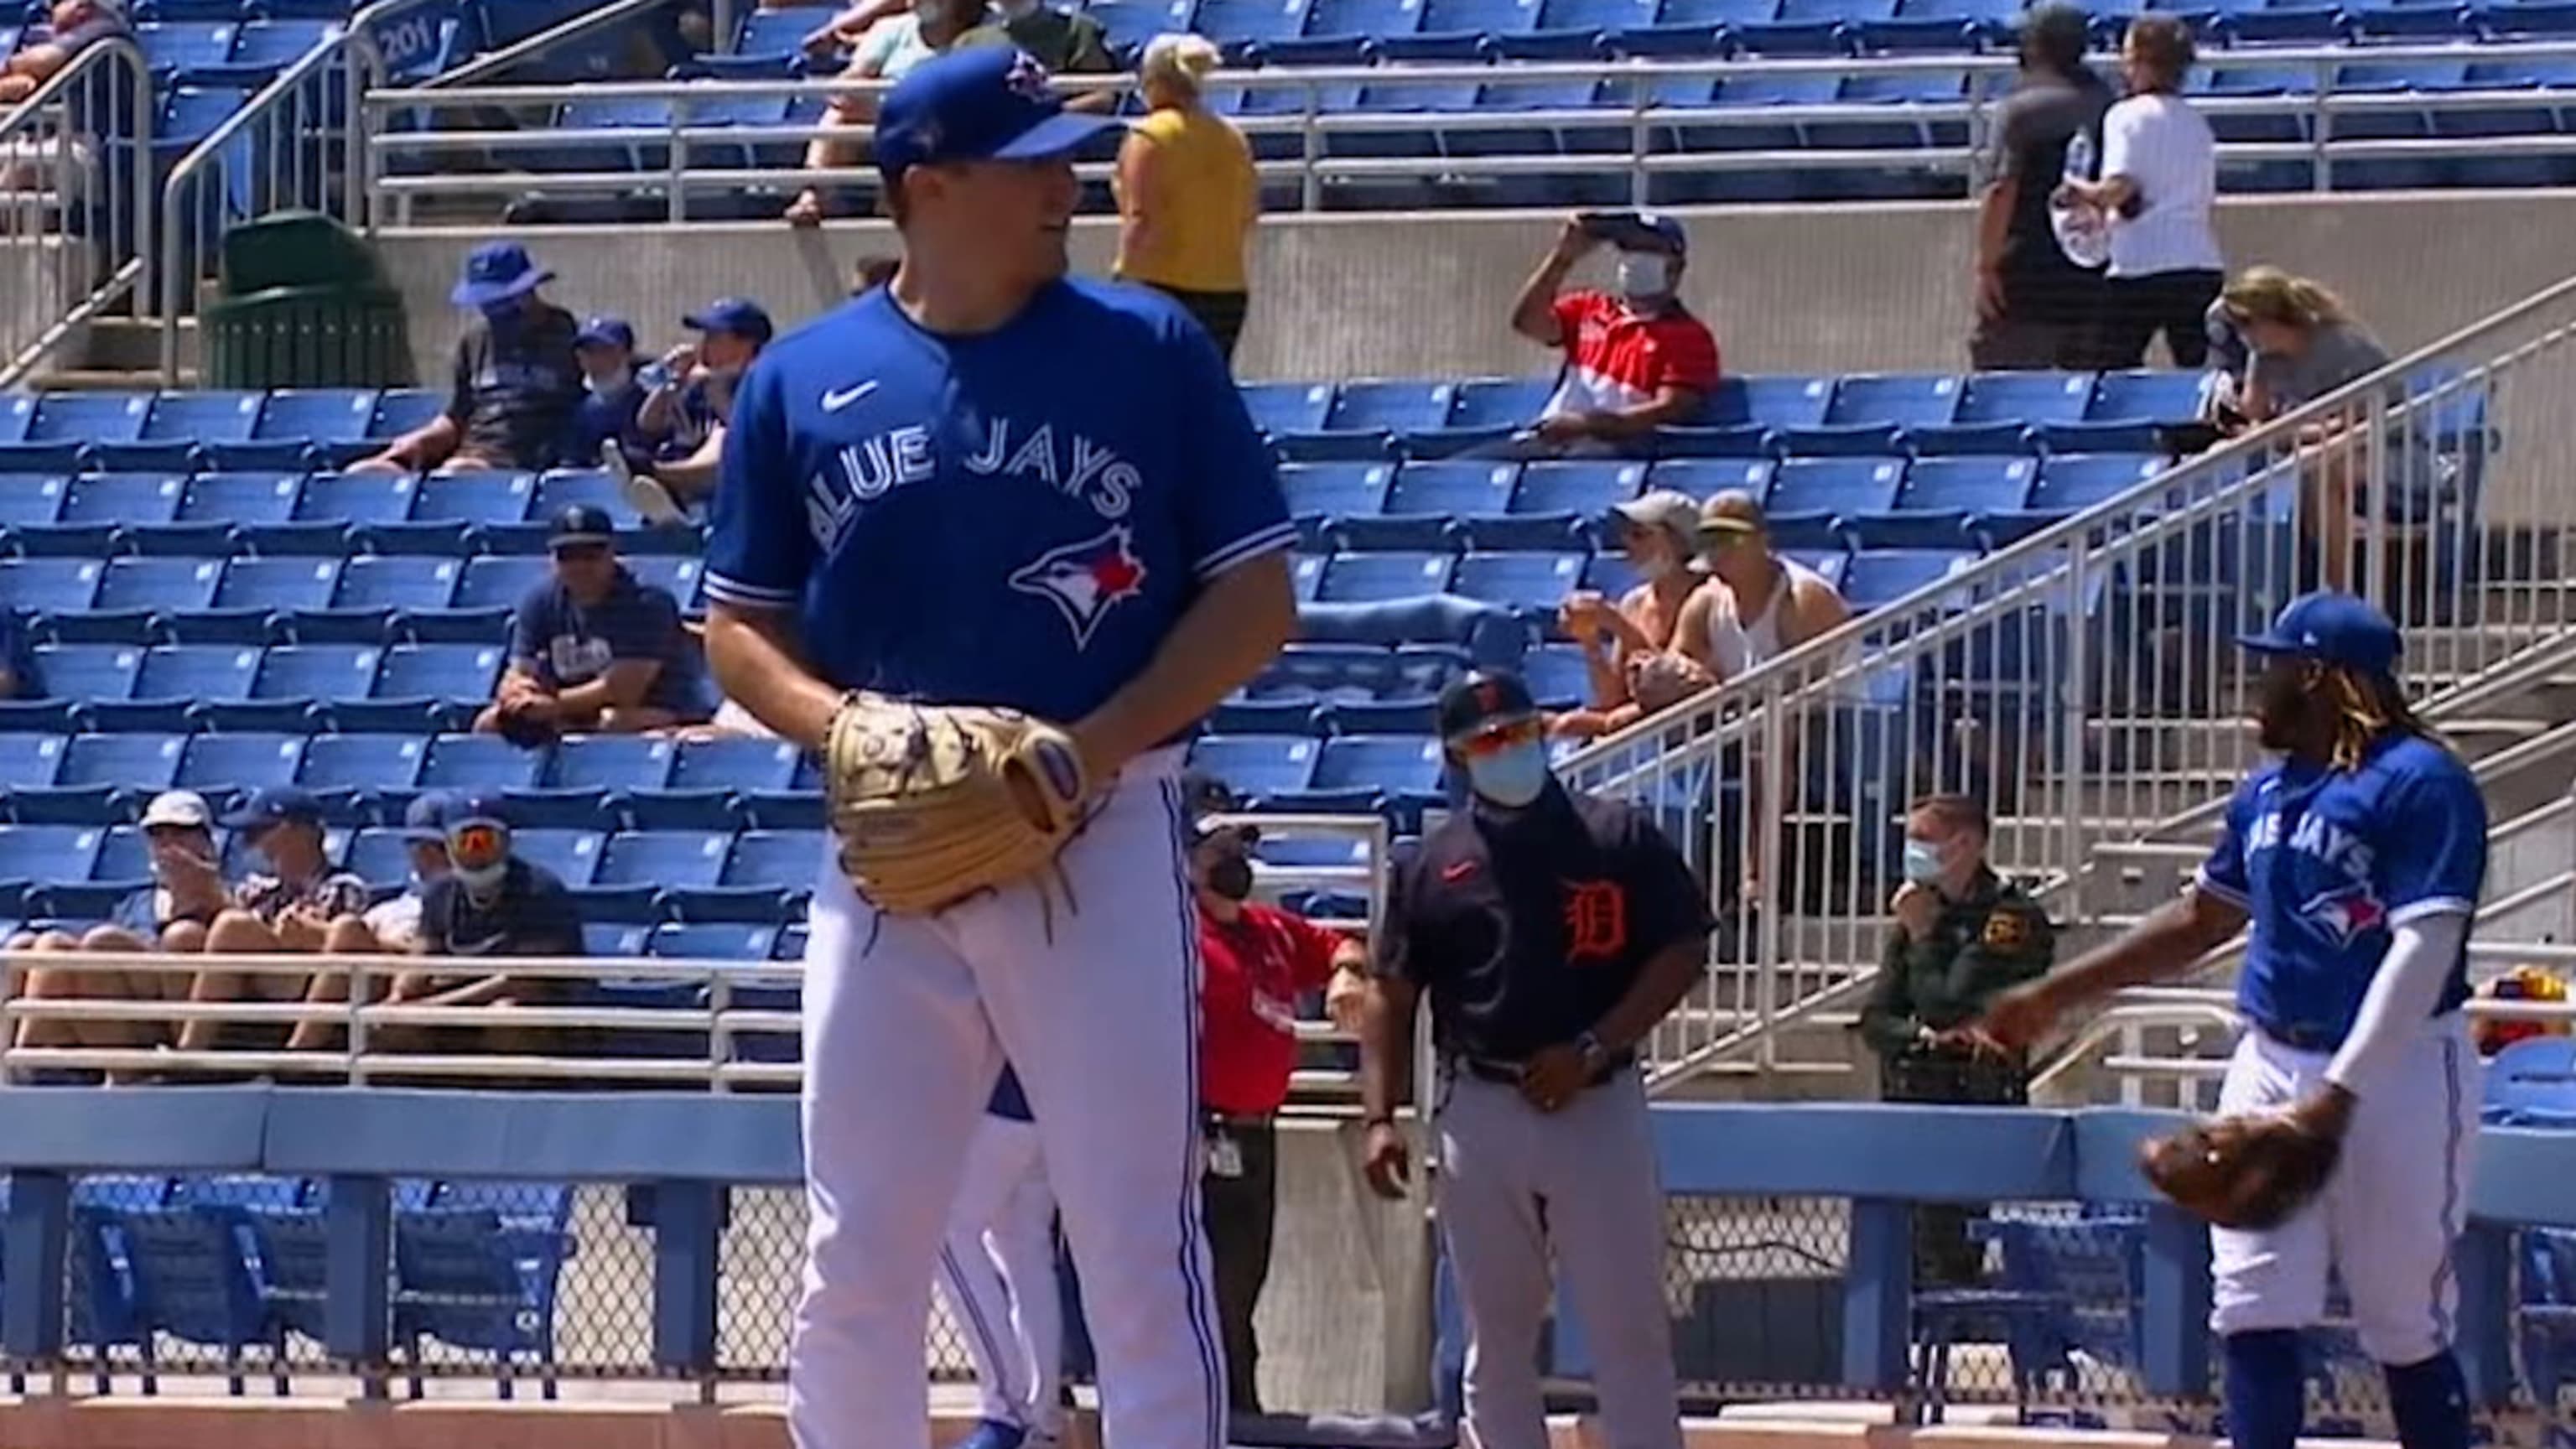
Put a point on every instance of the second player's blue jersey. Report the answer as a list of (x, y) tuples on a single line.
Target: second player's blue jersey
[(2327, 862), (1016, 518)]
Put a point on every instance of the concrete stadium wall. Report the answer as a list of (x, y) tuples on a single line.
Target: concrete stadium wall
[(1788, 289)]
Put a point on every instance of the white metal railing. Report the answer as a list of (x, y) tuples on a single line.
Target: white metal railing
[(2084, 679), (1316, 104), (75, 201), (374, 1041)]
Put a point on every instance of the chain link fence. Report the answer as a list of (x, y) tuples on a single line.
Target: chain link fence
[(2031, 1305)]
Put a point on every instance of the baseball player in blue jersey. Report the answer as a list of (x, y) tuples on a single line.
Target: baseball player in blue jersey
[(2357, 857), (986, 485)]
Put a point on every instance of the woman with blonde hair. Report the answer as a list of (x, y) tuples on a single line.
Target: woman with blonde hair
[(2302, 343), (1187, 191)]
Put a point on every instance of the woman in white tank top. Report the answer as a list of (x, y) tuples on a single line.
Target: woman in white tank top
[(1756, 604)]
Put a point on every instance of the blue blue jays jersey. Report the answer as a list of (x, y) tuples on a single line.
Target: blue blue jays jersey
[(1015, 518), (2327, 862)]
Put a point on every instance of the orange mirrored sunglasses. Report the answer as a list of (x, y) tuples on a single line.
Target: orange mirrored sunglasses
[(472, 845), (1496, 738)]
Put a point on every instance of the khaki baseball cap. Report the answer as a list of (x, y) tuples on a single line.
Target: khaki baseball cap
[(1663, 508), (185, 809), (1732, 513)]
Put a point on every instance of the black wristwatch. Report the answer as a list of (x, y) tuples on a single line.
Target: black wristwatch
[(1596, 1057)]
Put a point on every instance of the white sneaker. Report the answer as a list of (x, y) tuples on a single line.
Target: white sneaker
[(642, 491)]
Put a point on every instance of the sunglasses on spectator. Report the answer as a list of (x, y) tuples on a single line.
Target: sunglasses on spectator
[(581, 552), (477, 843), (1494, 739)]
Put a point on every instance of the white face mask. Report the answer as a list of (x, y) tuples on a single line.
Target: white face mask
[(610, 382), (1645, 276)]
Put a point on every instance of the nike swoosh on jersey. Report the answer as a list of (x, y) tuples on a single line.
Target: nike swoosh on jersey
[(841, 397)]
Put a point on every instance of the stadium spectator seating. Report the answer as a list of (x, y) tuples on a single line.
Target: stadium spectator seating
[(223, 610)]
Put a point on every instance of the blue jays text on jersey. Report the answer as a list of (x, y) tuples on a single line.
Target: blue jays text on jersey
[(1016, 518), (2327, 863)]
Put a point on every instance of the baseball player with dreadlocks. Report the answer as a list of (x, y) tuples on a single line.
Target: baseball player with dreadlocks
[(2349, 1110)]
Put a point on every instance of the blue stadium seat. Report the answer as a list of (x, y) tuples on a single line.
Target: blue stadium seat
[(217, 765), (1325, 671), (15, 411), (1556, 676), (712, 941), (1816, 491), (668, 859), (1320, 492), (89, 671), (679, 577), (202, 417), (28, 761), (1396, 406), (356, 498), (1362, 577), (400, 410), (125, 853), (185, 47), (160, 584), (784, 859), (439, 671), (1280, 407), (1306, 577), (270, 45), (1496, 402), (735, 764), (611, 762), (1426, 500), (2156, 397), (591, 488), (89, 417), (122, 498), (2025, 397), (31, 497), (614, 939), (1882, 576), (143, 762), (1396, 765), (49, 585), (364, 763), (500, 583), (1906, 400), (571, 854), (1702, 478), (1131, 23), (398, 583), (319, 415), (1256, 766), (1942, 497), (379, 856), (197, 672), (474, 498), (2071, 483), (277, 583), (317, 671), (48, 852), (1587, 490), (1528, 581), (476, 762)]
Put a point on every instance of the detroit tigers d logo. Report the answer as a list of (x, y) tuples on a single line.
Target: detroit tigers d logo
[(1085, 580)]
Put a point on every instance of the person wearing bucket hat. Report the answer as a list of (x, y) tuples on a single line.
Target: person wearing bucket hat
[(1628, 644), (594, 649), (1549, 931), (1634, 357), (1096, 540), (683, 417), (517, 381), (2356, 856), (170, 914)]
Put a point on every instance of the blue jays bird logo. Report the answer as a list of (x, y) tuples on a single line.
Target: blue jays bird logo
[(2344, 914), (1027, 79), (1085, 580)]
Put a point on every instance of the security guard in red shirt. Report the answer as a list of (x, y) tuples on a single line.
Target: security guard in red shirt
[(1255, 962), (1551, 932)]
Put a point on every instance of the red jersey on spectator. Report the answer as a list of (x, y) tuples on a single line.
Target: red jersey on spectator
[(1255, 969), (1617, 358)]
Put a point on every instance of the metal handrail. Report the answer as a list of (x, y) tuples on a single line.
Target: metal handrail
[(135, 271)]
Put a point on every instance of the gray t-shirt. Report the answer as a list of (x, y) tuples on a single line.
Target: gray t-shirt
[(2338, 353), (2033, 128)]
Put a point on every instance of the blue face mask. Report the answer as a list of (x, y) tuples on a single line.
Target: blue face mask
[(1922, 862), (1511, 777)]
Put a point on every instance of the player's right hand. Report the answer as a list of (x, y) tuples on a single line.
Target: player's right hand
[(2016, 1020), (1387, 1163)]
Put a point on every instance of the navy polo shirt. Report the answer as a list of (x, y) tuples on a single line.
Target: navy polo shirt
[(531, 915), (566, 644), (518, 386), (1525, 926)]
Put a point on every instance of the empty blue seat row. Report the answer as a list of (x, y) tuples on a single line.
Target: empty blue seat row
[(261, 504), (362, 775), (260, 585), (227, 51), (162, 429)]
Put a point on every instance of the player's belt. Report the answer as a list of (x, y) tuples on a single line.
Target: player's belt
[(1508, 1074)]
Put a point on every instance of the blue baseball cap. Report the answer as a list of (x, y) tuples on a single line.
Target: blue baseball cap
[(479, 807), (737, 315), (981, 103), (425, 818), (606, 332), (2331, 628), (274, 805), (581, 523), (496, 272)]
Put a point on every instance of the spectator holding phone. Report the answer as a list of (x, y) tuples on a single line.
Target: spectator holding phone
[(1635, 358)]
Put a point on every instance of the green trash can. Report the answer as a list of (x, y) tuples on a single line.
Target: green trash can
[(304, 303)]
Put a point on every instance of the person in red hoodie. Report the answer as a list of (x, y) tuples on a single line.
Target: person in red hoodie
[(1255, 962)]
